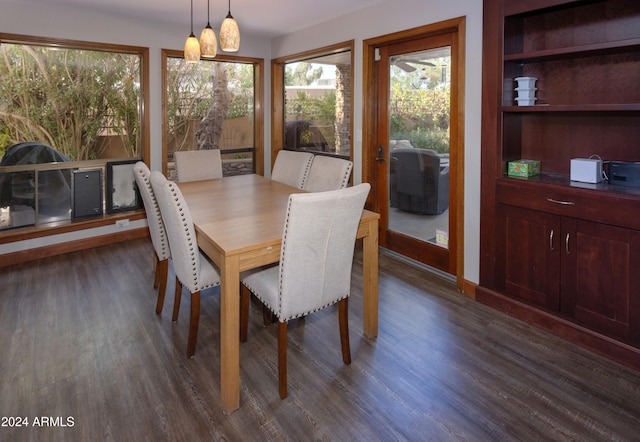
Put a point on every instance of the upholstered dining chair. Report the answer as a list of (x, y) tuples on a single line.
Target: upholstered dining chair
[(292, 168), (314, 271), (157, 231), (195, 165), (193, 270), (328, 173)]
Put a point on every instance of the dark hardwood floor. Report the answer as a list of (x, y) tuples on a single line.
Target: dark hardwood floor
[(80, 339)]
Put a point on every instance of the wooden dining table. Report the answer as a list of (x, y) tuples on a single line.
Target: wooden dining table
[(239, 222)]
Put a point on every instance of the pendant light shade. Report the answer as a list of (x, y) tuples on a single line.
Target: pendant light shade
[(229, 33), (208, 41), (192, 50), (192, 46)]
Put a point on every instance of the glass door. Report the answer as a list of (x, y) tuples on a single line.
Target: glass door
[(419, 145), (414, 153)]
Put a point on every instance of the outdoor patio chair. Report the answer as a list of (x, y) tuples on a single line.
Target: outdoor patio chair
[(418, 182)]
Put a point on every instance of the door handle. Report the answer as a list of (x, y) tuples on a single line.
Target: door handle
[(380, 157)]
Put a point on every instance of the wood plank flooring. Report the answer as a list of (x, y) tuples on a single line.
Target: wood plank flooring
[(80, 339)]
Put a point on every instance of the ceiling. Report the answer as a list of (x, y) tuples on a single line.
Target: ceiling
[(270, 18)]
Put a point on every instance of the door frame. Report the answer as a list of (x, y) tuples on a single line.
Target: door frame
[(370, 128)]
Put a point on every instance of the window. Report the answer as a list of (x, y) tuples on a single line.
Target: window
[(83, 99), (313, 101), (72, 103), (213, 104)]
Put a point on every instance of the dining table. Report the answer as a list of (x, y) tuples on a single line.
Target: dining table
[(239, 222)]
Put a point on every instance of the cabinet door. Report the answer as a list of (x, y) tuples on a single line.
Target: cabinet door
[(527, 243), (601, 277)]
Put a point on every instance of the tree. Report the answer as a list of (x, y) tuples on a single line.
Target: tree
[(301, 75), (420, 106), (67, 97), (322, 110), (209, 92), (210, 130)]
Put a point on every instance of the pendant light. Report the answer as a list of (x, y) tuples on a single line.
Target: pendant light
[(192, 46), (229, 33), (208, 42)]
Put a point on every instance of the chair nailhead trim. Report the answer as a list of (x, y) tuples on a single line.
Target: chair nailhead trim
[(163, 235), (190, 242)]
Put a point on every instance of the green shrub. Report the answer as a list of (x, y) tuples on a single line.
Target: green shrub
[(432, 138)]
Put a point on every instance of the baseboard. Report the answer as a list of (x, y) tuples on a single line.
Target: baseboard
[(469, 289), (71, 246), (604, 345)]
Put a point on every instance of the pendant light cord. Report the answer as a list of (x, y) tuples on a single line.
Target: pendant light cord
[(192, 18)]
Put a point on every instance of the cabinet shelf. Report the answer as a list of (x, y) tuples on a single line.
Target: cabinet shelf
[(624, 107), (524, 7), (587, 50)]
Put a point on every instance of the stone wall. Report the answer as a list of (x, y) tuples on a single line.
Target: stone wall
[(343, 109), (240, 166)]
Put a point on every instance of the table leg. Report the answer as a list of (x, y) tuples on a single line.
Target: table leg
[(229, 334), (370, 280)]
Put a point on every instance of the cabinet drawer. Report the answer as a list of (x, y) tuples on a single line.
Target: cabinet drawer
[(608, 207)]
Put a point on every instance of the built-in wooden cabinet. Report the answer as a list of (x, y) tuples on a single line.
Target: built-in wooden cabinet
[(582, 270), (529, 263), (600, 281), (561, 254)]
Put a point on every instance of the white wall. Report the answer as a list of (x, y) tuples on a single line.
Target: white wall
[(383, 18)]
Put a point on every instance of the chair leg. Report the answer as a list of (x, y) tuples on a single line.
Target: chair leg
[(176, 300), (193, 324), (156, 276), (245, 298), (162, 272), (282, 359), (343, 319), (266, 316)]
